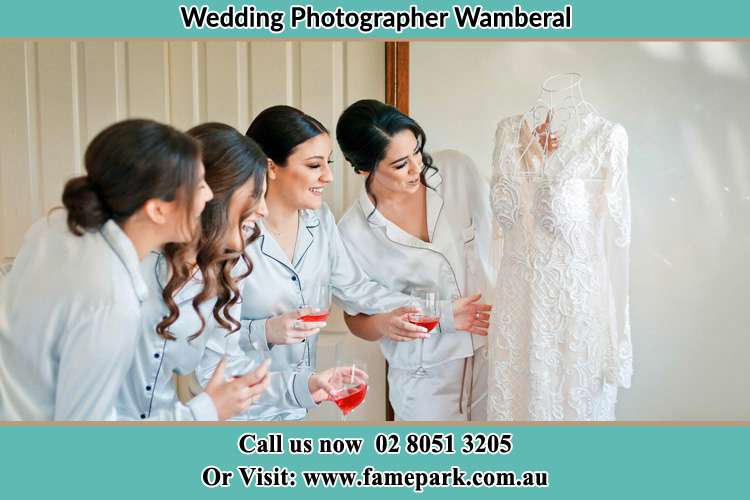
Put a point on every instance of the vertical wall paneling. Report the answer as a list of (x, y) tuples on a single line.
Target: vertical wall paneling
[(338, 98), (79, 103), (294, 69), (242, 58), (183, 84), (33, 145), (148, 80), (19, 189), (121, 80), (321, 86), (100, 86), (273, 79), (226, 94), (59, 126), (201, 84)]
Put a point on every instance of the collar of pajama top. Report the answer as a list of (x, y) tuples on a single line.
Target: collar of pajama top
[(434, 207), (309, 225), (456, 259), (125, 251)]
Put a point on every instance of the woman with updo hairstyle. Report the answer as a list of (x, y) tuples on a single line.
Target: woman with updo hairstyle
[(194, 293), (421, 221), (70, 310), (299, 249)]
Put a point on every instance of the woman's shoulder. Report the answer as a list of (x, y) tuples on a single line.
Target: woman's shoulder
[(87, 258), (82, 270), (453, 166), (451, 157), (53, 229), (351, 218)]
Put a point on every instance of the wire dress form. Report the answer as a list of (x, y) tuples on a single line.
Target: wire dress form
[(560, 341)]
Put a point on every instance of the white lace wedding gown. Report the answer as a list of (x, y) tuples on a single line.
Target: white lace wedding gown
[(560, 342)]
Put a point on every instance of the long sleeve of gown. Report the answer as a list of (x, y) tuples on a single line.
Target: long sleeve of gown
[(504, 198), (503, 195), (619, 367), (482, 264)]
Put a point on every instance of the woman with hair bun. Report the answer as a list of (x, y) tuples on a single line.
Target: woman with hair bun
[(421, 221), (70, 310)]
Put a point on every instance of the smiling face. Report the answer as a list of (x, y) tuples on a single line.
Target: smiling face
[(307, 171), (398, 171)]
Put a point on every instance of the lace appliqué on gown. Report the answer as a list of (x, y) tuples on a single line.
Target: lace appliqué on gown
[(560, 341)]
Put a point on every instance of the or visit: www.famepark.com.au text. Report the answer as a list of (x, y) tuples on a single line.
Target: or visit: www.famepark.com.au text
[(417, 480)]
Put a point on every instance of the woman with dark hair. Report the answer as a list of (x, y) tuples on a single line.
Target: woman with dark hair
[(421, 223), (195, 291), (70, 310), (299, 249)]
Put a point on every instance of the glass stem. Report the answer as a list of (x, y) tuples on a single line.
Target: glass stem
[(303, 361), (421, 355)]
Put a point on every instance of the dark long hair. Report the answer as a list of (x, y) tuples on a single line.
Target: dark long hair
[(127, 164), (278, 130), (231, 159), (364, 131)]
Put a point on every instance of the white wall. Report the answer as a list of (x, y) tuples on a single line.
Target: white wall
[(56, 95), (686, 107)]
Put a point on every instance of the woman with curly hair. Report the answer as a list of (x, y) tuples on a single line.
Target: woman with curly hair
[(195, 287)]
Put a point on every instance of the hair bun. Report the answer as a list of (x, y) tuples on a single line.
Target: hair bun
[(84, 205)]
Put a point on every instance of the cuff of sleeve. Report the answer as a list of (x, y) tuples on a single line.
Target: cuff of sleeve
[(301, 387), (347, 308), (203, 409), (625, 365), (619, 376), (255, 340), (619, 369), (447, 322), (626, 374)]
